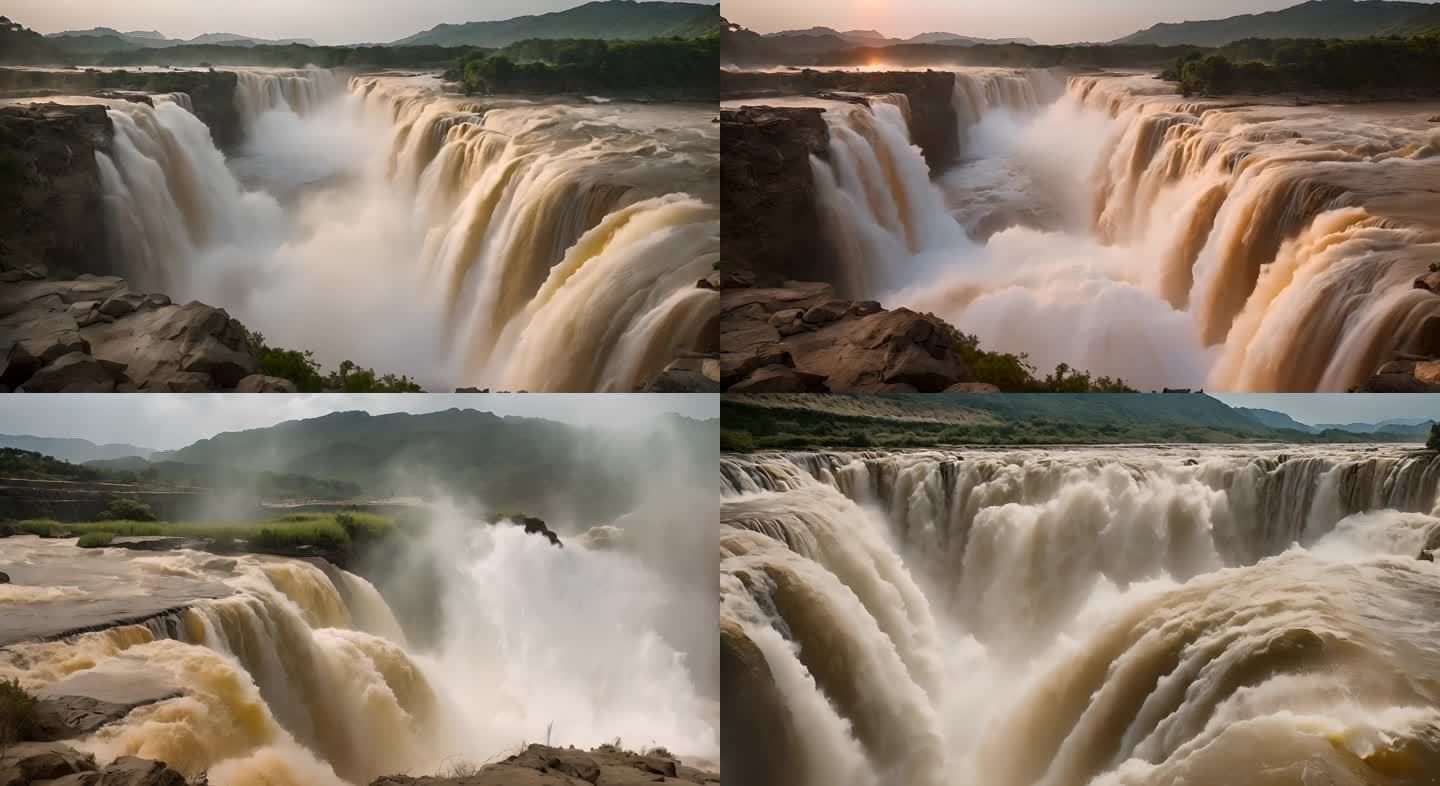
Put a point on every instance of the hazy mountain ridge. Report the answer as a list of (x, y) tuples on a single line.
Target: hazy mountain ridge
[(73, 450), (1313, 19), (901, 420), (153, 39), (836, 39), (603, 19)]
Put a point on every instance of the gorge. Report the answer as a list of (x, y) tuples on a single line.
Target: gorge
[(521, 244), (1099, 220), (1118, 615)]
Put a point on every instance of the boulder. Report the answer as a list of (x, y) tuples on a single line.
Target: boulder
[(65, 717), (1403, 376), (4, 578), (76, 372), (39, 342), (842, 346), (690, 373), (259, 383), (122, 303), (189, 382), (541, 765), (126, 771), (24, 763)]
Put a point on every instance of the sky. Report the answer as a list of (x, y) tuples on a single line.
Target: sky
[(326, 21), (169, 422), (1046, 21), (1316, 408)]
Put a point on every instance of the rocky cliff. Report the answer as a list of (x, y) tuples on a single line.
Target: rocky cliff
[(212, 93), (93, 334), (934, 125), (541, 765), (800, 338), (51, 213), (770, 225)]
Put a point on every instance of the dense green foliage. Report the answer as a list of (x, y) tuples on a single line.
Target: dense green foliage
[(1324, 19), (591, 65), (1278, 65), (127, 510), (1014, 373), (19, 714), (16, 463), (302, 369), (929, 420), (287, 56), (19, 44)]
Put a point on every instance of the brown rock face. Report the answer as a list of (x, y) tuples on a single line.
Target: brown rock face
[(832, 346), (51, 212), (770, 226), (541, 765), (933, 123), (58, 336)]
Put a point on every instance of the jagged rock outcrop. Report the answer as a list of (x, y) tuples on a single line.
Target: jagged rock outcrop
[(801, 339), (212, 93), (934, 125), (70, 717), (55, 764), (691, 372), (541, 765), (1416, 375), (94, 335), (770, 225), (51, 210)]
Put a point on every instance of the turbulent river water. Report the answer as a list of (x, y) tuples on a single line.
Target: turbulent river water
[(1120, 616), (280, 673), (1105, 222), (500, 243)]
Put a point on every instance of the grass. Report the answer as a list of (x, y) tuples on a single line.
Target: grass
[(334, 530), (18, 714), (94, 540)]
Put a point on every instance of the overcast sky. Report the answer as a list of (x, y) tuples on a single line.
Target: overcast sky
[(1046, 21), (168, 422), (326, 21), (1315, 408)]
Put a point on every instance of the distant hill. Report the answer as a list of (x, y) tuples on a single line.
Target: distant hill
[(604, 19), (1280, 420), (507, 463), (828, 38), (785, 421), (1427, 22), (75, 451), (1314, 19), (153, 39)]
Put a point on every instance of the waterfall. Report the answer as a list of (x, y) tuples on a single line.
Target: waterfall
[(1262, 247), (1133, 615), (520, 246)]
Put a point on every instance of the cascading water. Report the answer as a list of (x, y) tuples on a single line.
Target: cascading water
[(1261, 247), (1126, 615), (294, 675), (510, 244)]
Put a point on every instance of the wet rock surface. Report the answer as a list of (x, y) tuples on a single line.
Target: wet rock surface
[(56, 764), (799, 338), (930, 94), (770, 226), (94, 335), (51, 210), (540, 765)]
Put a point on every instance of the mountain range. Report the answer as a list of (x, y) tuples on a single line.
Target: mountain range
[(848, 38), (153, 39), (1313, 19), (75, 451), (604, 19)]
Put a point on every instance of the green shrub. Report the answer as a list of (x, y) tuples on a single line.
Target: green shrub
[(95, 540), (128, 510), (19, 717), (732, 441)]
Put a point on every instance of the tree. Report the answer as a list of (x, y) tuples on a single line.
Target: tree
[(1434, 442)]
